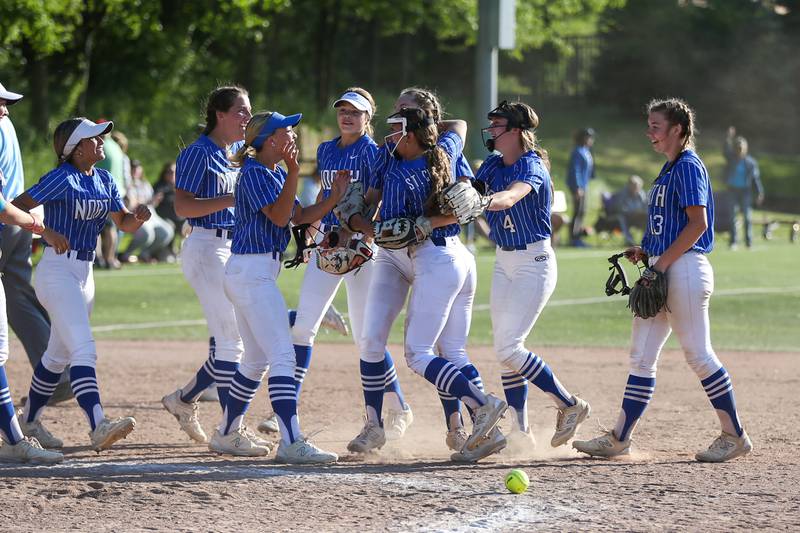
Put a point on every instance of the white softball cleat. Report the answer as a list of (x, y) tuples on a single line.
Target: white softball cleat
[(186, 415), (109, 431), (270, 424), (493, 443), (372, 437), (28, 450), (303, 452), (397, 422), (334, 321), (568, 420), (486, 418), (726, 447), (456, 438), (238, 443), (37, 431), (255, 438), (606, 445)]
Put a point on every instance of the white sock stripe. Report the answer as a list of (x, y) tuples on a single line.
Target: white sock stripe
[(277, 387), (372, 381), (445, 374), (372, 388), (218, 372), (43, 392), (283, 396), (247, 398), (641, 387), (636, 398), (209, 367), (723, 377), (83, 380), (234, 384), (725, 384), (242, 389), (529, 364), (720, 393), (77, 388), (86, 390), (450, 378), (638, 394), (533, 374), (516, 378), (43, 383), (391, 376)]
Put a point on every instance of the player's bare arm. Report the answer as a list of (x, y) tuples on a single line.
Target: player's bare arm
[(188, 206), (506, 199)]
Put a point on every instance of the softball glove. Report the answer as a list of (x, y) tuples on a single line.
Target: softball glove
[(397, 233), (464, 201), (649, 294)]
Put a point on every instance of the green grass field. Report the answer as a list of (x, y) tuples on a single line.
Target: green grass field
[(756, 305)]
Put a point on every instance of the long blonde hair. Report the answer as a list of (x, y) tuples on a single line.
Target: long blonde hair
[(253, 129)]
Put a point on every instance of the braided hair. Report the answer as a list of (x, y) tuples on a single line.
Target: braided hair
[(677, 112), (221, 99)]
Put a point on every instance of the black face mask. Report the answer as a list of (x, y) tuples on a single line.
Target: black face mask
[(488, 140)]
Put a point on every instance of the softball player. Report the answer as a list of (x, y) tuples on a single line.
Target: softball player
[(444, 276), (77, 199), (392, 280), (204, 195), (14, 446), (678, 236), (265, 204), (525, 269), (353, 151)]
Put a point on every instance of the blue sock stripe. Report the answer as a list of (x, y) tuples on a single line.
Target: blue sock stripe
[(638, 395), (391, 375), (719, 379), (536, 370), (718, 385), (5, 396), (516, 381), (45, 383), (531, 362), (640, 387), (445, 396), (642, 399), (208, 366), (242, 390), (714, 377), (722, 392), (85, 388)]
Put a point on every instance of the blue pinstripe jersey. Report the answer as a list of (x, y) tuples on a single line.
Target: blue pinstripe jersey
[(256, 188), (204, 170), (359, 158), (407, 185), (77, 205), (677, 187), (528, 220)]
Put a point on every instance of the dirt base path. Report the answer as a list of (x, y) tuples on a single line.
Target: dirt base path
[(157, 479)]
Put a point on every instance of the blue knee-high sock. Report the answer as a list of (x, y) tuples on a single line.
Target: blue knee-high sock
[(451, 406), (638, 393), (515, 388), (283, 396), (446, 377), (84, 385), (43, 383), (241, 393), (719, 389), (373, 383), (302, 360), (474, 377), (392, 383), (204, 377), (223, 375), (292, 317), (539, 373), (9, 425)]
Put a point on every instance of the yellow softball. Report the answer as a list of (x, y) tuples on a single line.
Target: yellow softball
[(517, 481)]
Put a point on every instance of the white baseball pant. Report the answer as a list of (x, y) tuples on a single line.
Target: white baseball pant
[(203, 258)]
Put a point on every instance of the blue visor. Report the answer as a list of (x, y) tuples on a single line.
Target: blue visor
[(276, 121)]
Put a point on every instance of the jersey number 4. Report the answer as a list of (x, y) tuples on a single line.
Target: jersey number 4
[(508, 224)]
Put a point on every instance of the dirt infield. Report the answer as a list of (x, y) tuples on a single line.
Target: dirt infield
[(158, 480)]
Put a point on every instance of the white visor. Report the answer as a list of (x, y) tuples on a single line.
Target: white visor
[(358, 101), (85, 130), (11, 98)]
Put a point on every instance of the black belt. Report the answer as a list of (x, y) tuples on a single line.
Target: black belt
[(228, 234), (514, 247), (81, 255)]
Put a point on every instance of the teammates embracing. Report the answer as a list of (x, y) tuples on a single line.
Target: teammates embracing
[(387, 223)]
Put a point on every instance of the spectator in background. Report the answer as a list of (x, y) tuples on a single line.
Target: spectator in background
[(727, 147), (152, 239), (742, 176), (311, 188), (579, 172), (164, 202), (26, 316), (109, 236), (630, 207)]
